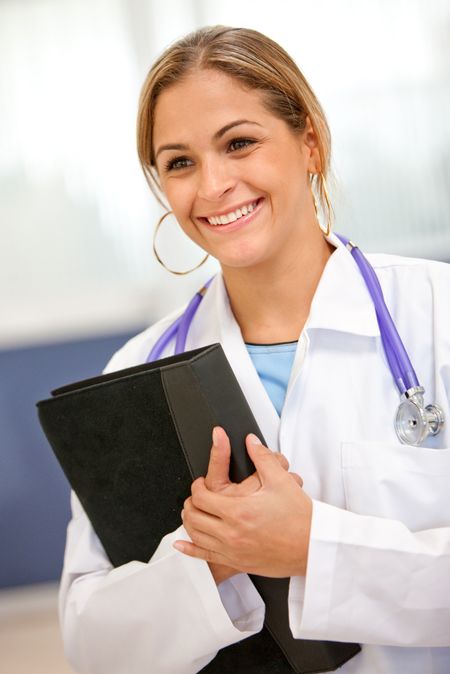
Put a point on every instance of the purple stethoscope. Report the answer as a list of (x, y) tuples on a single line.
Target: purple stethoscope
[(413, 421)]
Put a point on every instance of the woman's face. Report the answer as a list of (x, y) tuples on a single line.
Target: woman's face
[(235, 176)]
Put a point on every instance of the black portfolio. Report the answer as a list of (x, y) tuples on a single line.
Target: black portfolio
[(131, 443)]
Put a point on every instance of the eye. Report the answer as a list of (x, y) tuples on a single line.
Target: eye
[(177, 163), (240, 144)]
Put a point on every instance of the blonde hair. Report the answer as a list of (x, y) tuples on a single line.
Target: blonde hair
[(258, 63)]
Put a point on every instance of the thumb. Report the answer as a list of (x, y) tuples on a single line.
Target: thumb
[(219, 461), (265, 461)]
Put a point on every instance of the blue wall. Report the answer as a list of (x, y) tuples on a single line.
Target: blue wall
[(34, 494)]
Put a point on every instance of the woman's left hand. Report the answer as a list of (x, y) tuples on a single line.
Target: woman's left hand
[(265, 533)]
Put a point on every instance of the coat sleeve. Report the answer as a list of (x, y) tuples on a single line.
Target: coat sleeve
[(371, 580), (166, 616)]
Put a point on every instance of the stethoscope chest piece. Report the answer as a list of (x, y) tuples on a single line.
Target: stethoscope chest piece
[(414, 422)]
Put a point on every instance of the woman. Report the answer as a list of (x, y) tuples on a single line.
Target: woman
[(237, 143)]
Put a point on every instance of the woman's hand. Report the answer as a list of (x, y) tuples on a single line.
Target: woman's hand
[(218, 481), (259, 526)]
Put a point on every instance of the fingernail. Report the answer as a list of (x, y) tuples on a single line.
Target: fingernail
[(215, 436), (254, 439), (178, 546)]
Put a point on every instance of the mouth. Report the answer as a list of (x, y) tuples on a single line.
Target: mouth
[(240, 215)]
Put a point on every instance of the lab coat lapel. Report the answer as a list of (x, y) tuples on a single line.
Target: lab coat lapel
[(341, 303), (254, 391), (217, 324)]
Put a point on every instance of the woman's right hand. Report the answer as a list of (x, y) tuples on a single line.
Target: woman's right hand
[(218, 480)]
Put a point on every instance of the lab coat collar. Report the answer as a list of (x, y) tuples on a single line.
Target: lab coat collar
[(342, 301)]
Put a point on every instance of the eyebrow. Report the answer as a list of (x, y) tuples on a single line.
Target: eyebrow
[(217, 136)]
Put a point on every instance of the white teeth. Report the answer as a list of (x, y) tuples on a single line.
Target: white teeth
[(231, 217)]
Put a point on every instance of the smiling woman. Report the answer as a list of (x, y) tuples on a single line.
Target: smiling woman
[(219, 172), (239, 137), (257, 65), (232, 137)]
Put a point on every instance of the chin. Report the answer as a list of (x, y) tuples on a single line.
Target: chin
[(242, 260)]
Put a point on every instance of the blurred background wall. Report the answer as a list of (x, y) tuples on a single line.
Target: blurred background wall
[(77, 276)]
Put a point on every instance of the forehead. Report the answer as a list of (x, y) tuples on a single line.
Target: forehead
[(202, 103)]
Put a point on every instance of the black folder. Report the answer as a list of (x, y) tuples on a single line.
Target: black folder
[(131, 443)]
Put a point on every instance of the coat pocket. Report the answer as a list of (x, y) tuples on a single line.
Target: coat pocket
[(410, 484)]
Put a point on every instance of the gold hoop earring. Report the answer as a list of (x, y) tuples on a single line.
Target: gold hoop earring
[(172, 271), (326, 231)]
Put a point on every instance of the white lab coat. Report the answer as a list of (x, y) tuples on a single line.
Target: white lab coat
[(379, 557)]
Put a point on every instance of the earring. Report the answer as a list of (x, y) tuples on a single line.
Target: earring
[(324, 191), (172, 271)]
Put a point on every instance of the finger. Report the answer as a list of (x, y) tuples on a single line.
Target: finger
[(284, 463), (193, 550), (253, 482), (248, 486), (267, 466), (210, 502), (197, 483), (297, 479), (197, 519), (219, 461), (203, 540)]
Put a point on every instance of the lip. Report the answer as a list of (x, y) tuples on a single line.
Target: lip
[(237, 224), (230, 209)]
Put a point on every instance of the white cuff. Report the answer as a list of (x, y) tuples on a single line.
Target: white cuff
[(243, 603), (310, 596), (371, 580), (235, 610)]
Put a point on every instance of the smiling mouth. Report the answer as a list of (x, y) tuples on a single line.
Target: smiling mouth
[(232, 216)]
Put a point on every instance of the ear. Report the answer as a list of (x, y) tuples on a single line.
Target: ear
[(311, 145)]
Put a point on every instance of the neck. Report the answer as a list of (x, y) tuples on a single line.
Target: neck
[(271, 301)]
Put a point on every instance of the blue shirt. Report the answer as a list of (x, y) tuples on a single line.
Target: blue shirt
[(273, 363)]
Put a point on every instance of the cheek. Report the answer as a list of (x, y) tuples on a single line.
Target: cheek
[(291, 183), (180, 199), (278, 177), (180, 202)]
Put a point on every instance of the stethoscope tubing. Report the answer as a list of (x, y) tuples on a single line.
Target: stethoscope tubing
[(167, 336), (413, 422), (399, 363), (179, 328)]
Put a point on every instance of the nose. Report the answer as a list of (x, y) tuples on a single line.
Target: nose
[(215, 179)]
